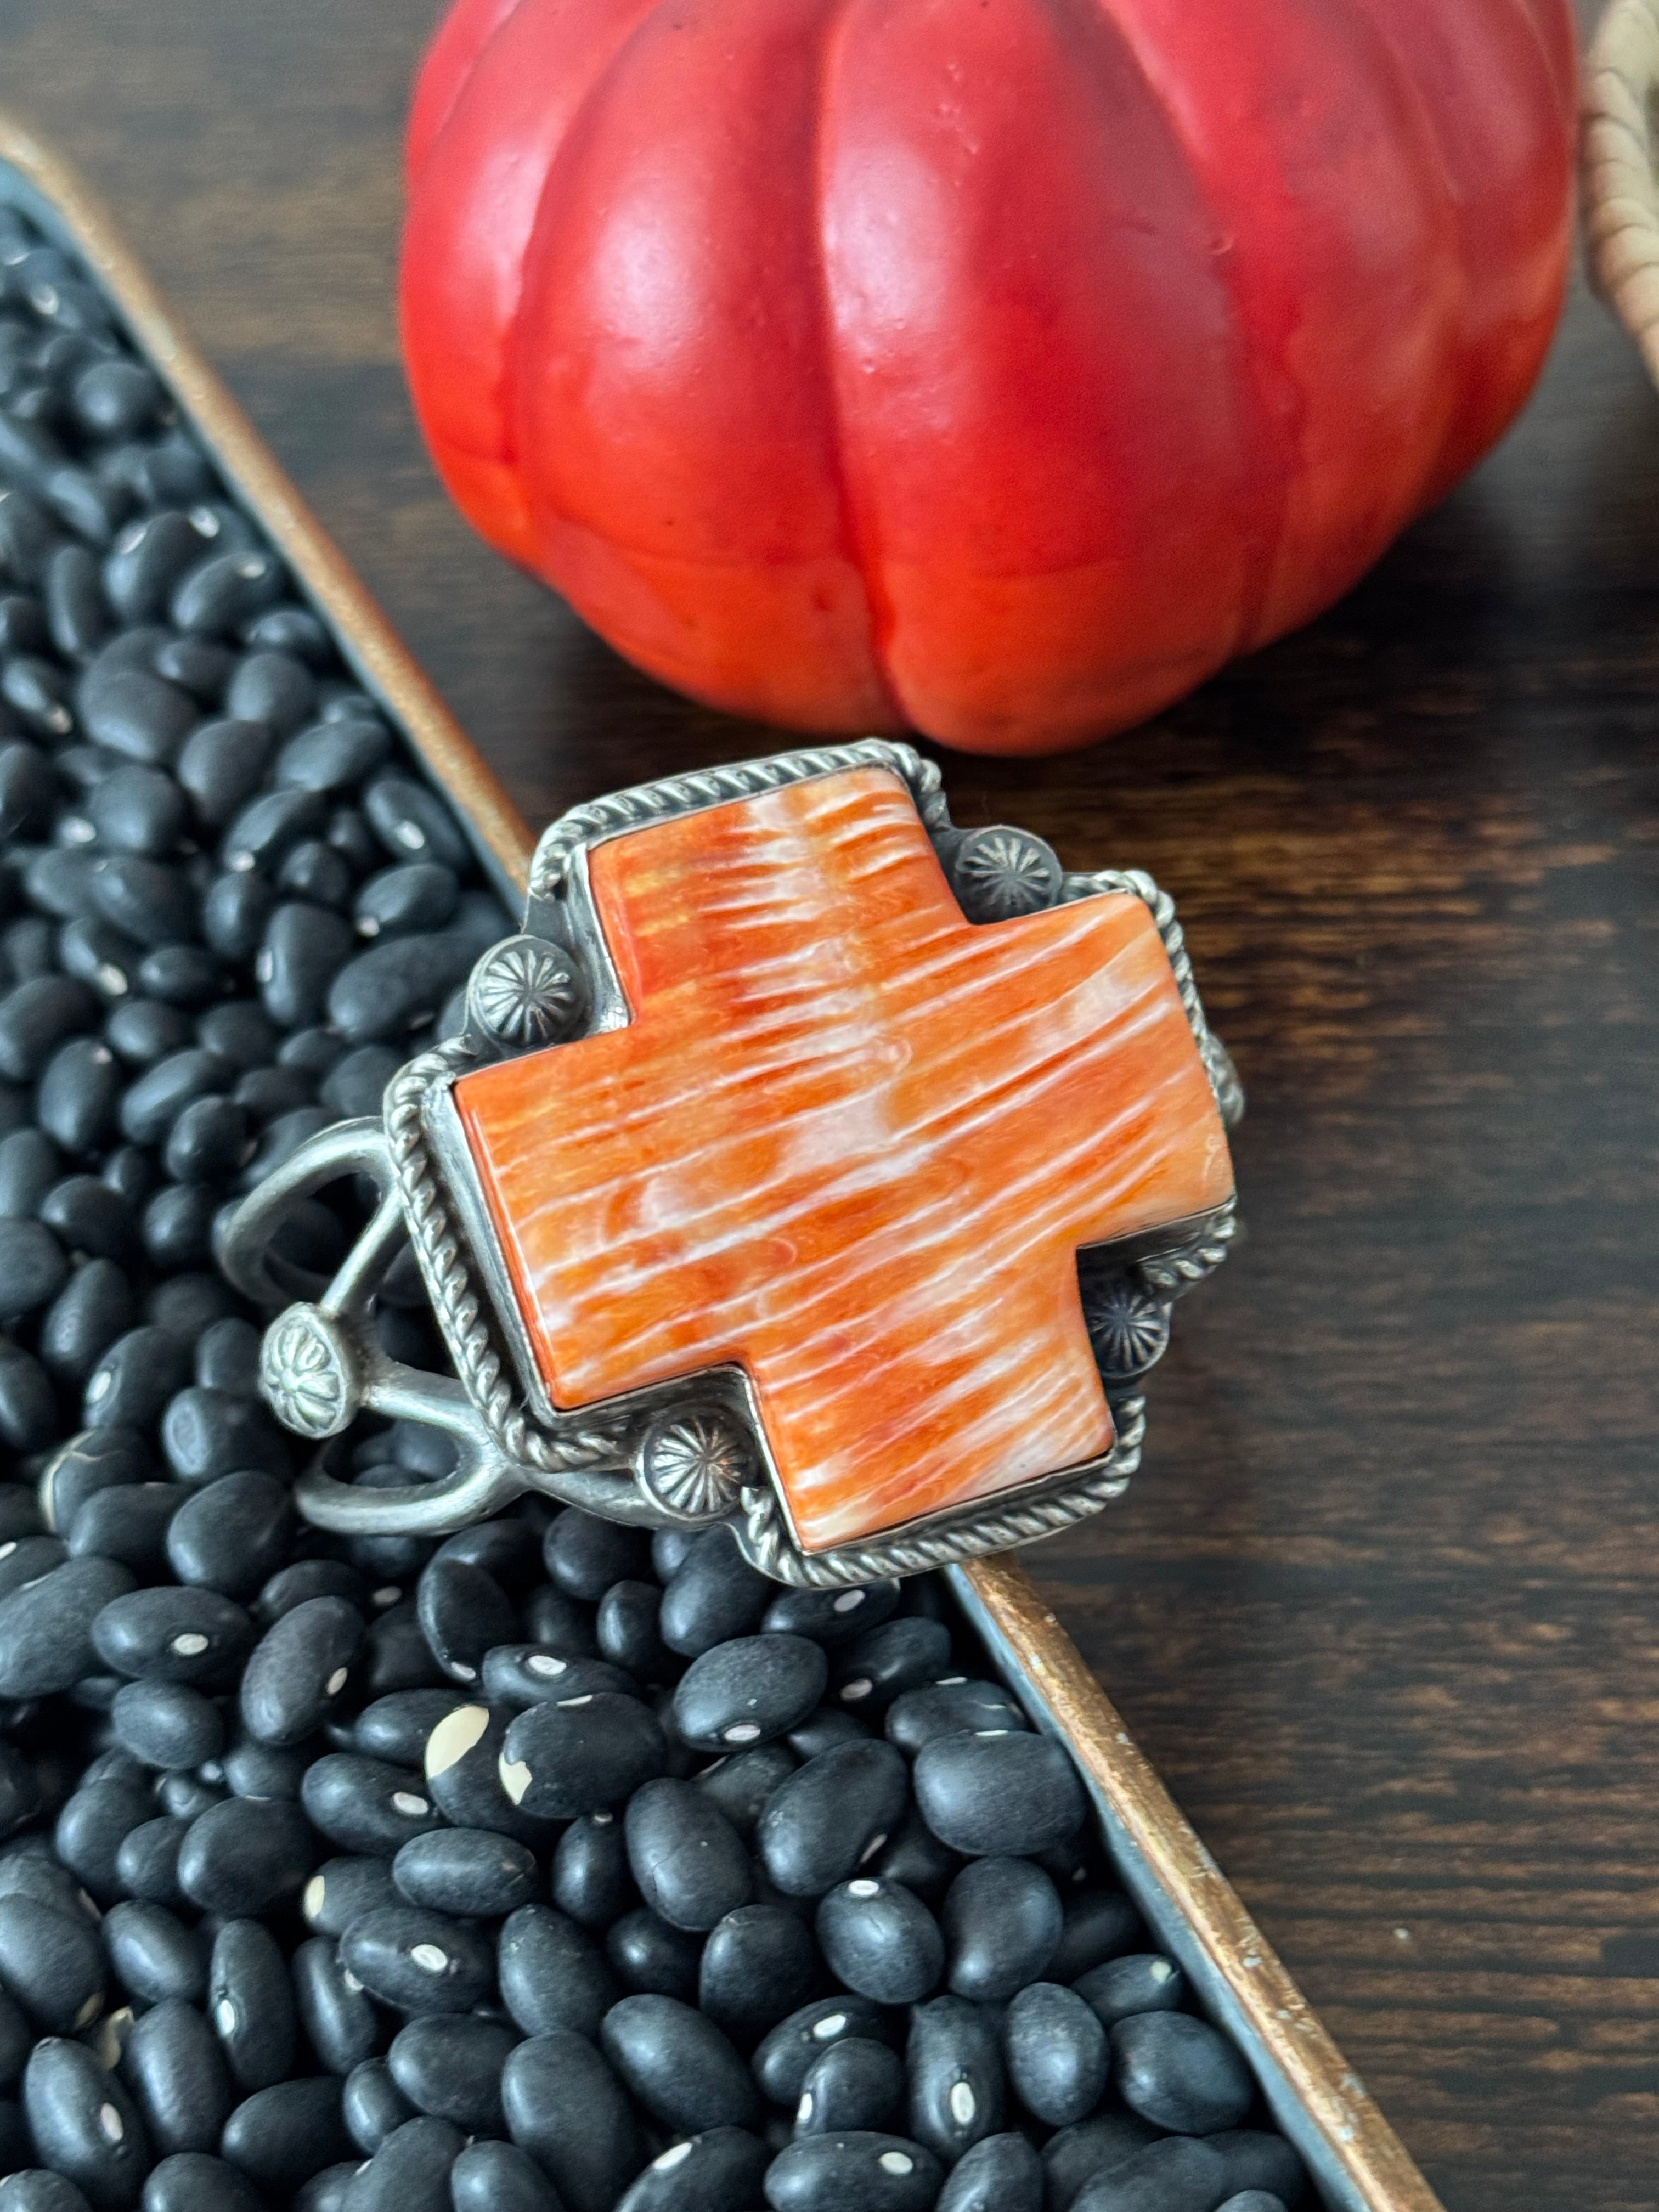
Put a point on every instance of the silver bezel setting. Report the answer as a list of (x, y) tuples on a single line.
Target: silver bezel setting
[(511, 1435)]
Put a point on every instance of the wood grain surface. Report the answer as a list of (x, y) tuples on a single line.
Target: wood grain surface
[(1383, 1605)]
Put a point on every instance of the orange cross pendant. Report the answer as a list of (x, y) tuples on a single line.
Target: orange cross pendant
[(775, 1144)]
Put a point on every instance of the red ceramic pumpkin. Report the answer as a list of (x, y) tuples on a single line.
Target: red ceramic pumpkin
[(997, 368)]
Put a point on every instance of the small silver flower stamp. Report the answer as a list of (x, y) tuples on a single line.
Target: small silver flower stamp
[(306, 1373), (999, 873), (1129, 1328), (696, 1463), (524, 991)]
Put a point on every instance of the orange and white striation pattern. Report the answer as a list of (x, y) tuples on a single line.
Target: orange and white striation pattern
[(851, 1141)]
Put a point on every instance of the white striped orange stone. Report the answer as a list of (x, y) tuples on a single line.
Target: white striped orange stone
[(850, 1141)]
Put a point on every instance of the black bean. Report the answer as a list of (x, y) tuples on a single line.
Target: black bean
[(628, 1629), (332, 755), (550, 1976), (47, 1632), (451, 2067), (262, 1770), (580, 1755), (957, 2088), (1055, 2053), (743, 1784), (143, 1031), (591, 1880), (40, 693), (178, 1224), (560, 1624), (27, 1869), (1257, 2160), (756, 1967), (789, 2051), (22, 621), (1001, 2173), (301, 1663), (153, 1955), (314, 870), (687, 1860), (267, 826), (856, 2083), (87, 1215), (706, 2173), (251, 2004), (651, 1959), (282, 2135), (831, 1815), (1099, 1925), (999, 1792), (221, 764), (879, 1938), (147, 1860), (117, 399), (87, 1315), (519, 1675), (398, 1727), (410, 2173), (372, 2104), (1143, 1981), (399, 985), (84, 2124), (366, 1805), (91, 1826), (418, 1960), (139, 809), (51, 1963), (181, 975), (394, 1655), (566, 2107), (1180, 2073), (134, 712), (271, 687), (29, 1166), (16, 2039), (148, 901), (29, 1405), (187, 1797), (713, 1596), (413, 822), (1179, 2174), (303, 948), (463, 1612), (421, 896), (191, 2181), (77, 614), (830, 1616), (343, 1889), (471, 1871), (884, 1661), (499, 2177), (290, 629), (226, 590), (32, 1266), (245, 1854), (155, 1101), (1002, 1920), (356, 1086), (36, 1016), (749, 1690), (77, 1100), (166, 1725), (27, 789), (34, 2189), (861, 2172), (340, 2022), (168, 1634), (146, 561)]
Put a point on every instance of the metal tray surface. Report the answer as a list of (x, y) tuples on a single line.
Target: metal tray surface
[(1357, 2162)]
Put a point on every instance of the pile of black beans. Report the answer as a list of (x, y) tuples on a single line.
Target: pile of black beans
[(551, 1866)]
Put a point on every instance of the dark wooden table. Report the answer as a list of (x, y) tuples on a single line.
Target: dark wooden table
[(1384, 1604)]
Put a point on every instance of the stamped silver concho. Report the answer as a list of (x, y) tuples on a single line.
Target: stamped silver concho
[(691, 1454)]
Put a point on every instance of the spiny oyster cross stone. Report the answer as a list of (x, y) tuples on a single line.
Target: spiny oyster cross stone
[(851, 1142)]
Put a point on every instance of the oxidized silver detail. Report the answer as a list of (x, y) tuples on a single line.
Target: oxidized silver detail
[(524, 993), (632, 1459), (999, 873), (306, 1373), (1129, 1328), (695, 1463)]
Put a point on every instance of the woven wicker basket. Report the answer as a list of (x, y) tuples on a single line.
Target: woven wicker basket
[(1620, 158)]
